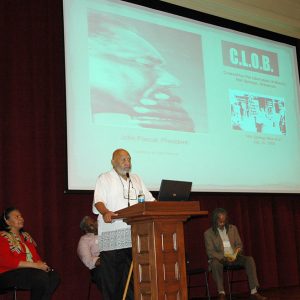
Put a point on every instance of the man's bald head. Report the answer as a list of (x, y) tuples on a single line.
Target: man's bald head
[(121, 162)]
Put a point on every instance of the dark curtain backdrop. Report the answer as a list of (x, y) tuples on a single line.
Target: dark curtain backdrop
[(33, 163)]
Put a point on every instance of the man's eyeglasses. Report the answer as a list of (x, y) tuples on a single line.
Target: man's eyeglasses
[(129, 192), (132, 195)]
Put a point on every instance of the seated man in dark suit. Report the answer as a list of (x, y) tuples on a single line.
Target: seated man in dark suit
[(88, 248), (224, 246)]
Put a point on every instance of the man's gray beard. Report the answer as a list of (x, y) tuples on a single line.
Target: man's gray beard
[(122, 172)]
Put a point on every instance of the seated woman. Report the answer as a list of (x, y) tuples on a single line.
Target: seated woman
[(20, 263)]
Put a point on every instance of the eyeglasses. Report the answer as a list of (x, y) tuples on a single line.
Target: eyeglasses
[(132, 195)]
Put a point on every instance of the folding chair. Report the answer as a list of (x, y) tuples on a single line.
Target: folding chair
[(229, 270)]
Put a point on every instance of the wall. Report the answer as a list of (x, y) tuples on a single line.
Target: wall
[(274, 15)]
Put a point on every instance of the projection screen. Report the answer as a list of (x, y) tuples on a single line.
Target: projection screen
[(189, 100)]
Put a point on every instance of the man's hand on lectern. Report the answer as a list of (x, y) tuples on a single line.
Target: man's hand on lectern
[(107, 216)]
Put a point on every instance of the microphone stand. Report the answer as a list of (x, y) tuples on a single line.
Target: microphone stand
[(127, 175)]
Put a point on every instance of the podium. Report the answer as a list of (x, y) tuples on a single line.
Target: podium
[(158, 251)]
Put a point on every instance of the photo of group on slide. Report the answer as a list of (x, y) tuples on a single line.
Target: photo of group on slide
[(255, 113)]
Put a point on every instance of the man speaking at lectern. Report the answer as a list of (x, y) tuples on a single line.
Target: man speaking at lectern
[(115, 190)]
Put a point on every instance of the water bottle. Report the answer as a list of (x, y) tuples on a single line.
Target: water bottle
[(141, 197)]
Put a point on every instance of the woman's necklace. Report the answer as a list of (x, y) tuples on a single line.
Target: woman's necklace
[(18, 243)]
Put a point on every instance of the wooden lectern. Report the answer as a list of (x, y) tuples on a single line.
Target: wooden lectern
[(158, 248)]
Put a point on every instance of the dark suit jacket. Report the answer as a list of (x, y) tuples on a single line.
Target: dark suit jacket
[(214, 245)]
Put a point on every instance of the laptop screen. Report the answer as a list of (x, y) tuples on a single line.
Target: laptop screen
[(173, 190)]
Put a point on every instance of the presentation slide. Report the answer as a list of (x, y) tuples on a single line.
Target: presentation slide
[(190, 101)]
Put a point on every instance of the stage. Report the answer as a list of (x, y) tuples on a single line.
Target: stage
[(288, 293)]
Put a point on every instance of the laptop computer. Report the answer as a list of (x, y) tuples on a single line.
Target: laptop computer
[(173, 190)]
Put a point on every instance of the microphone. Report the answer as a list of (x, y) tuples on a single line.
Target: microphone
[(127, 175)]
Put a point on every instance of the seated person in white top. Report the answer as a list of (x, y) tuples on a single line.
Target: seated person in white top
[(88, 248), (115, 190)]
